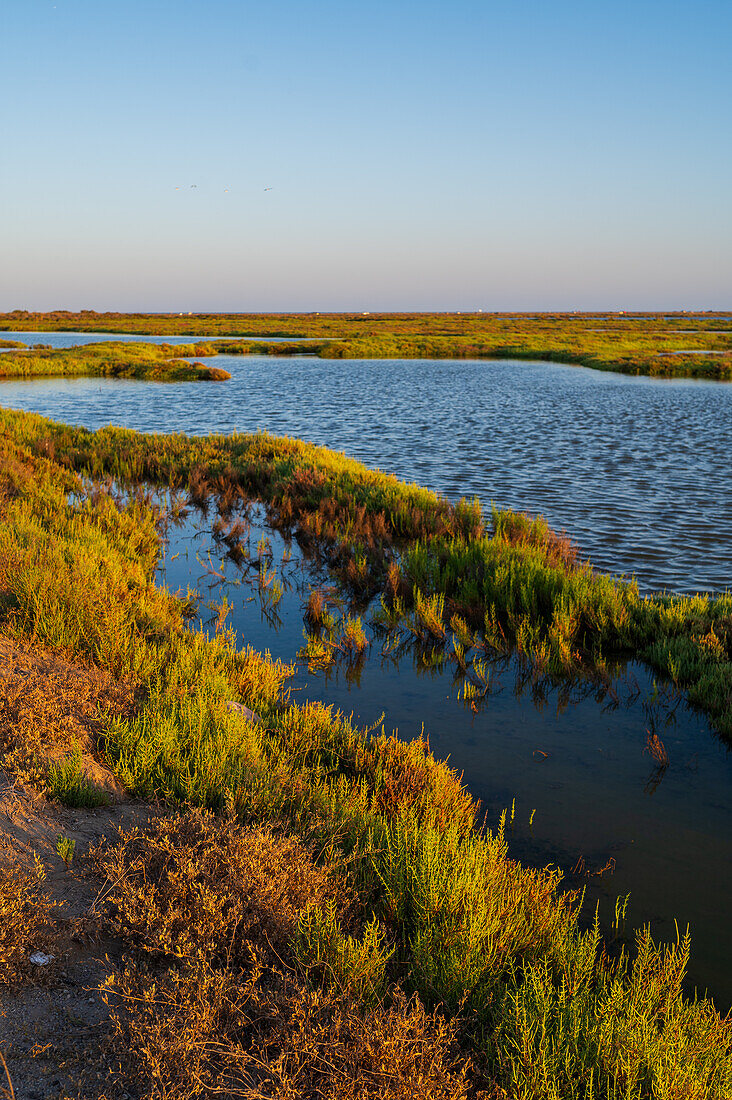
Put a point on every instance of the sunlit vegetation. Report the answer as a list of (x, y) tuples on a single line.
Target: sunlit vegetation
[(68, 782), (683, 344), (342, 925), (150, 362), (267, 993), (512, 578), (24, 915)]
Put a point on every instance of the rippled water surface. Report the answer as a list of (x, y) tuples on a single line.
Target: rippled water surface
[(634, 469)]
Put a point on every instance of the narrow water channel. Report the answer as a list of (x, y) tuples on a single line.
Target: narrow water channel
[(572, 762)]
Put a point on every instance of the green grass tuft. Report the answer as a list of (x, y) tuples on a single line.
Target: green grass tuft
[(67, 782)]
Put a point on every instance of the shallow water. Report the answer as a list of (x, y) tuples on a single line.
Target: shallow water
[(634, 469), (665, 836)]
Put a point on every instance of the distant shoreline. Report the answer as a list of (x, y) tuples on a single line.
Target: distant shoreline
[(661, 345)]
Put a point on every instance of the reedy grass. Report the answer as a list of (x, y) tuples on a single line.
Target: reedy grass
[(567, 1022), (448, 914)]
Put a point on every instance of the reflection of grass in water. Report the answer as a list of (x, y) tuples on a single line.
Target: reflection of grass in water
[(522, 585), (441, 909)]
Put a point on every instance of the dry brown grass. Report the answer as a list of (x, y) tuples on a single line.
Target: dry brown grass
[(24, 918), (9, 1092), (202, 887), (215, 1003), (203, 1033), (49, 706)]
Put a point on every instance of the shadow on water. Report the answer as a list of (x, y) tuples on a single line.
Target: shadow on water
[(621, 784)]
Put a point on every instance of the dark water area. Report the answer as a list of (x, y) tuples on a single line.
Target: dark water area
[(575, 757), (634, 469)]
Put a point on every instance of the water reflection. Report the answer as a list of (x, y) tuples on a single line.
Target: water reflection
[(574, 759)]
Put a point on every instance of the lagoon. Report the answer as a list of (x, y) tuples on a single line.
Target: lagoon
[(634, 469)]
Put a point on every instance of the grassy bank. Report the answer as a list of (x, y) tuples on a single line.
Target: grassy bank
[(510, 578), (658, 345), (640, 356), (401, 893), (148, 362)]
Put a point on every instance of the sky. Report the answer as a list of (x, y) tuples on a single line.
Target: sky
[(310, 155)]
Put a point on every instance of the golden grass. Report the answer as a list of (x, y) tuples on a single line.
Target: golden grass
[(202, 887), (265, 1036), (50, 708), (237, 1012)]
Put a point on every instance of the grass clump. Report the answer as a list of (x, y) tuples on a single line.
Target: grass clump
[(353, 966), (588, 1026), (198, 1033), (68, 782), (202, 887), (232, 928)]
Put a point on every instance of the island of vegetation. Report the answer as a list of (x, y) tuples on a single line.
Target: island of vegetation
[(313, 910), (112, 359), (662, 345)]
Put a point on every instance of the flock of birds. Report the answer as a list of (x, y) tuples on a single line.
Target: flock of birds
[(194, 187)]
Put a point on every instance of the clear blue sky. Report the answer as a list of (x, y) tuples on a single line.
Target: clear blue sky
[(431, 155)]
